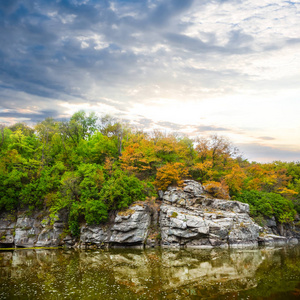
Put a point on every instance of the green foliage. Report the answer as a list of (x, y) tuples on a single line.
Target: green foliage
[(90, 167), (268, 204), (121, 190), (95, 211)]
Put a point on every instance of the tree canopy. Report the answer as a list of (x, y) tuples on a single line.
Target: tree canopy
[(90, 167)]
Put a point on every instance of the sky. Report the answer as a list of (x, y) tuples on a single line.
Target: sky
[(226, 67)]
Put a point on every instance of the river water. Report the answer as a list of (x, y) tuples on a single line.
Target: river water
[(264, 273)]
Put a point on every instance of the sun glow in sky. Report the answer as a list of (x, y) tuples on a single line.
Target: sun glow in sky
[(196, 67)]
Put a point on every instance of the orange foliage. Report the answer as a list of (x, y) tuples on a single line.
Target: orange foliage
[(266, 177), (138, 155), (287, 192), (217, 189), (170, 174), (203, 170), (235, 179), (108, 165)]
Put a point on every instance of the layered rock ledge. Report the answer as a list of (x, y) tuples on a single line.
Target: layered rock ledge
[(183, 217)]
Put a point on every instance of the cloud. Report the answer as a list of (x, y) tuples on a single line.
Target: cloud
[(34, 117), (166, 10), (262, 153), (171, 125), (114, 54), (205, 128), (267, 138), (144, 123), (68, 48)]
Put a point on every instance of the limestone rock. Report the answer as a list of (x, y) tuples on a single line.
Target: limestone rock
[(272, 239), (131, 227), (190, 218), (27, 231), (94, 234), (7, 230)]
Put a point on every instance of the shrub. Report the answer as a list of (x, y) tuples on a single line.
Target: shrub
[(268, 204), (95, 211), (174, 214), (121, 190)]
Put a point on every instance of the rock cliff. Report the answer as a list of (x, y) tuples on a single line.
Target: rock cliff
[(183, 217)]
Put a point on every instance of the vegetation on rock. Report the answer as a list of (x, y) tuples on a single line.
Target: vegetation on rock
[(90, 167)]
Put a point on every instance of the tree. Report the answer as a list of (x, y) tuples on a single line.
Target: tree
[(235, 179), (46, 131), (268, 204), (24, 128), (111, 127), (217, 189), (121, 190), (139, 156), (2, 136), (171, 174), (80, 126)]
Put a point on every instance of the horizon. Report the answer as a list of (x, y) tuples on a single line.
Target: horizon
[(165, 132), (230, 68)]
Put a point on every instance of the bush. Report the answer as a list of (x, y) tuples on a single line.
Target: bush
[(268, 204), (95, 211), (121, 190)]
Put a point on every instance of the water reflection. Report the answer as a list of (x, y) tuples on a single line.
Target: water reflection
[(151, 274)]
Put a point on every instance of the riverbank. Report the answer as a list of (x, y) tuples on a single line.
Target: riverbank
[(182, 217)]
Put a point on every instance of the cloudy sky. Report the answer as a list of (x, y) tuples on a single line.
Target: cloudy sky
[(229, 67)]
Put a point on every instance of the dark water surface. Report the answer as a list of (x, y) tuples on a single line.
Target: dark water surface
[(265, 273)]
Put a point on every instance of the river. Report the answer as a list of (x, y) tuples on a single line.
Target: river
[(263, 273)]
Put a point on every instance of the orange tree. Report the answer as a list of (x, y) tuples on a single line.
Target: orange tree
[(138, 156), (169, 175)]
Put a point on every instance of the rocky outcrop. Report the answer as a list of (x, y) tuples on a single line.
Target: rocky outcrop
[(189, 217), (185, 217), (128, 228), (31, 231), (131, 228), (7, 230)]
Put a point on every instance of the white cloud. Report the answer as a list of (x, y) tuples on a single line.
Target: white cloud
[(228, 64)]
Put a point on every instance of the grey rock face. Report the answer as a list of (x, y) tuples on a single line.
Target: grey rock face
[(50, 237), (7, 231), (26, 232), (131, 227), (94, 235), (31, 231), (272, 239), (190, 218), (271, 222)]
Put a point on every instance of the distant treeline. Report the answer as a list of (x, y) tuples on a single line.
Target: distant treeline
[(91, 166)]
